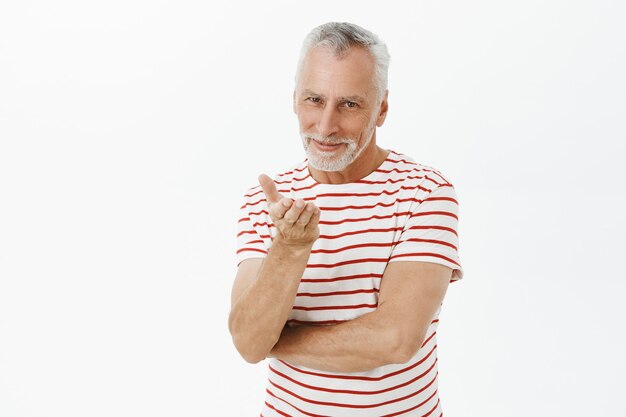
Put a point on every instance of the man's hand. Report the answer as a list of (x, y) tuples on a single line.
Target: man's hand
[(297, 221), (265, 289)]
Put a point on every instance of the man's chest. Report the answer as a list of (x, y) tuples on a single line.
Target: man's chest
[(343, 274)]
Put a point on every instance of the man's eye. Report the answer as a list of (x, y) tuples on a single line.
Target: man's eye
[(351, 104), (314, 99)]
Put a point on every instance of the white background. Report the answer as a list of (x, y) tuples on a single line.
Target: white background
[(130, 129)]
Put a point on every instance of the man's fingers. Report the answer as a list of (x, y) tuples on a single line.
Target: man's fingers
[(315, 218), (277, 211), (306, 214), (269, 188), (291, 216)]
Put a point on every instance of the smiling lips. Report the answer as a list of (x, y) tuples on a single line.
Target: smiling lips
[(326, 147)]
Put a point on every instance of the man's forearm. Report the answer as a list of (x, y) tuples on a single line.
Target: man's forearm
[(357, 345), (259, 314)]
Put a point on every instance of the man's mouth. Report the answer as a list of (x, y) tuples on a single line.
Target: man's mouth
[(326, 147)]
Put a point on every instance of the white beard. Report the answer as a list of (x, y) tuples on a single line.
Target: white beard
[(330, 161)]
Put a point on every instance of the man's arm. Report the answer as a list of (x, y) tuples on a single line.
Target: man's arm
[(410, 294), (264, 290)]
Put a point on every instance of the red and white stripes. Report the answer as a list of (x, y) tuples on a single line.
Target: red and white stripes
[(403, 211)]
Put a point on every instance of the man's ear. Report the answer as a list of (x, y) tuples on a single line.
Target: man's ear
[(294, 102), (384, 107)]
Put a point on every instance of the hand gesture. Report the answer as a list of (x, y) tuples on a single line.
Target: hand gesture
[(297, 222)]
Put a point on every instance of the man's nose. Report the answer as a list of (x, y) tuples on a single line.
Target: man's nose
[(328, 123)]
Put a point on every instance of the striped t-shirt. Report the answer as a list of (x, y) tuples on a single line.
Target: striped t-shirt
[(402, 211)]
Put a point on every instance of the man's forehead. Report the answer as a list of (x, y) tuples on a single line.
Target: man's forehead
[(324, 73)]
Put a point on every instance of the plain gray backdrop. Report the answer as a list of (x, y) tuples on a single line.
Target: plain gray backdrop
[(129, 130)]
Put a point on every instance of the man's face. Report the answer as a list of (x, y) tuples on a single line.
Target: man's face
[(337, 106)]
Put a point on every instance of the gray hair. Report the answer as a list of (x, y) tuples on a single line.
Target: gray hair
[(339, 38)]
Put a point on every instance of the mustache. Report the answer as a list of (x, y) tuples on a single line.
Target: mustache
[(325, 140)]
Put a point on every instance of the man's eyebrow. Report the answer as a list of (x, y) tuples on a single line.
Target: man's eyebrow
[(308, 92), (355, 98)]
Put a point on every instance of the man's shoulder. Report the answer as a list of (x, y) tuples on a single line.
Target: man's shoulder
[(296, 172), (403, 163)]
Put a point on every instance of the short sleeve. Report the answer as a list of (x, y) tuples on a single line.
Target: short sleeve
[(431, 231), (252, 229)]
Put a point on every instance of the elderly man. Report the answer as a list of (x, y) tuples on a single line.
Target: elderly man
[(345, 258)]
